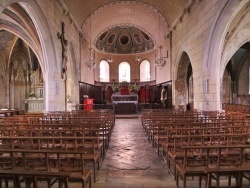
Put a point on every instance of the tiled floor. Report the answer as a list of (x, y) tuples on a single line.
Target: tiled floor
[(131, 161)]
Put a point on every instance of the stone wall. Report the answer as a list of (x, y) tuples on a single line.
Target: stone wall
[(190, 36)]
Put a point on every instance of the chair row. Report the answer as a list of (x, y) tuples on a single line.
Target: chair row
[(212, 162), (175, 153), (173, 132), (51, 166), (63, 132), (88, 145)]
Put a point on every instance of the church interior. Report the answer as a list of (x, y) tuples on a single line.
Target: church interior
[(124, 93)]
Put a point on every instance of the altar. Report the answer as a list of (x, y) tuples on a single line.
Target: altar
[(124, 104)]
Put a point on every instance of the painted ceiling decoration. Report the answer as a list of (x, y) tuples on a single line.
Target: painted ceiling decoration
[(124, 40)]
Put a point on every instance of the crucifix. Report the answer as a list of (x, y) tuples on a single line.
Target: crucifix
[(64, 43), (65, 59)]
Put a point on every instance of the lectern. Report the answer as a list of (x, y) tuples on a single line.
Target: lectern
[(88, 104)]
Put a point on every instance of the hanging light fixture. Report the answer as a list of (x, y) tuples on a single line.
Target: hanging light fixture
[(110, 59), (160, 61), (138, 57), (90, 63)]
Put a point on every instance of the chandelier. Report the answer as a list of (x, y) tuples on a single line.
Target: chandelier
[(138, 57), (161, 61), (90, 63)]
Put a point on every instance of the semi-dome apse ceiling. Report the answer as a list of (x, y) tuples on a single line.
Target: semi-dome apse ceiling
[(124, 40)]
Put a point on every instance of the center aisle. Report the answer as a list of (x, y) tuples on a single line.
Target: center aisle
[(131, 161)]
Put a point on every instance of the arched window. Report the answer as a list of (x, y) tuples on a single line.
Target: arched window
[(145, 71), (104, 71), (124, 72)]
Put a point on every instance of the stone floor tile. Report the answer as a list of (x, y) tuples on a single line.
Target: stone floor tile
[(114, 185), (133, 173), (128, 156), (115, 173)]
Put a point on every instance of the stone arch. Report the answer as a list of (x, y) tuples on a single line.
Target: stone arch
[(17, 31), (181, 85), (101, 14), (46, 52), (214, 60), (239, 38)]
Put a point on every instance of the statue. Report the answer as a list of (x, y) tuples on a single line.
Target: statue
[(64, 43), (163, 96)]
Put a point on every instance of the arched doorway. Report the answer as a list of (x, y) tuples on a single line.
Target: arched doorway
[(235, 83), (21, 75), (184, 84), (25, 78)]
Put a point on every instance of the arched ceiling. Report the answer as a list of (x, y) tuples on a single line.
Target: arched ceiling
[(154, 17), (169, 9)]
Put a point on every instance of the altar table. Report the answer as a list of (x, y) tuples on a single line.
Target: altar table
[(124, 104)]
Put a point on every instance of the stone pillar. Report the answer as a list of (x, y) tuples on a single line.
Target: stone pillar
[(55, 93)]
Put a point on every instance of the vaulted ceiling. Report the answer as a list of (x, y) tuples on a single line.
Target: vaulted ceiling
[(169, 9), (154, 17)]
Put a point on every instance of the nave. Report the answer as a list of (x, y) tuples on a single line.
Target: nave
[(130, 159), (132, 162)]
